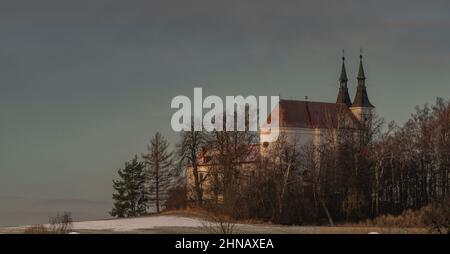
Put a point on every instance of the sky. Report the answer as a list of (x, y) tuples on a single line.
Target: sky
[(84, 84)]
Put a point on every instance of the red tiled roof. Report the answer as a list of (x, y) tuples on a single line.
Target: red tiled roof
[(309, 114)]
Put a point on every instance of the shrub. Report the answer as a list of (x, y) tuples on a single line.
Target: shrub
[(61, 224), (437, 217), (36, 229), (176, 199)]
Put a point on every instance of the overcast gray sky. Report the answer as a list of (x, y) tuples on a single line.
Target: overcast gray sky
[(84, 84)]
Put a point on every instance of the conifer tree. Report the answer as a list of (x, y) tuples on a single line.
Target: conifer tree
[(130, 196)]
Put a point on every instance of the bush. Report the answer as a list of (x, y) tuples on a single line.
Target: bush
[(61, 224), (176, 199), (408, 218), (218, 221), (437, 217), (36, 229)]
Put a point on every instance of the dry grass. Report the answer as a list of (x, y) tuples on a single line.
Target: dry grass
[(435, 217), (36, 229), (61, 224), (188, 212), (205, 214), (408, 219)]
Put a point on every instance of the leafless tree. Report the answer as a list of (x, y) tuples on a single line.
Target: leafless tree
[(160, 173), (284, 159), (188, 151)]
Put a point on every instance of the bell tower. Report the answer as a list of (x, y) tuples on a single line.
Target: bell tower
[(361, 107)]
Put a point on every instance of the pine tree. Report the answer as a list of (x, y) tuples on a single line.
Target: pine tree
[(130, 197), (160, 170)]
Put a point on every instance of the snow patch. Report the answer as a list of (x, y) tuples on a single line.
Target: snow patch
[(129, 224)]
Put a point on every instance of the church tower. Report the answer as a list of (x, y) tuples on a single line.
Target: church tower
[(361, 107), (343, 97)]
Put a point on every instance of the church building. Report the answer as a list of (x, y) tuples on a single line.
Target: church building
[(303, 121)]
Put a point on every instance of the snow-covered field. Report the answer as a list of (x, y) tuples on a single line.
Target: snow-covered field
[(128, 224), (139, 223), (190, 224)]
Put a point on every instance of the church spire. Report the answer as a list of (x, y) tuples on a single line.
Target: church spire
[(343, 77), (361, 97), (361, 75), (343, 97)]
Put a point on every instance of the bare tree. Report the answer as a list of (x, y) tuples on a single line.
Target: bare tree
[(232, 154), (381, 154), (284, 158), (188, 150), (312, 167), (160, 172)]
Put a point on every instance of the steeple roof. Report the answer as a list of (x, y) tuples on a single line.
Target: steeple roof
[(343, 96), (343, 76), (361, 97), (361, 75)]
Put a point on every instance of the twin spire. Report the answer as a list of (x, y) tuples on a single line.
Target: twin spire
[(361, 98), (343, 97)]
